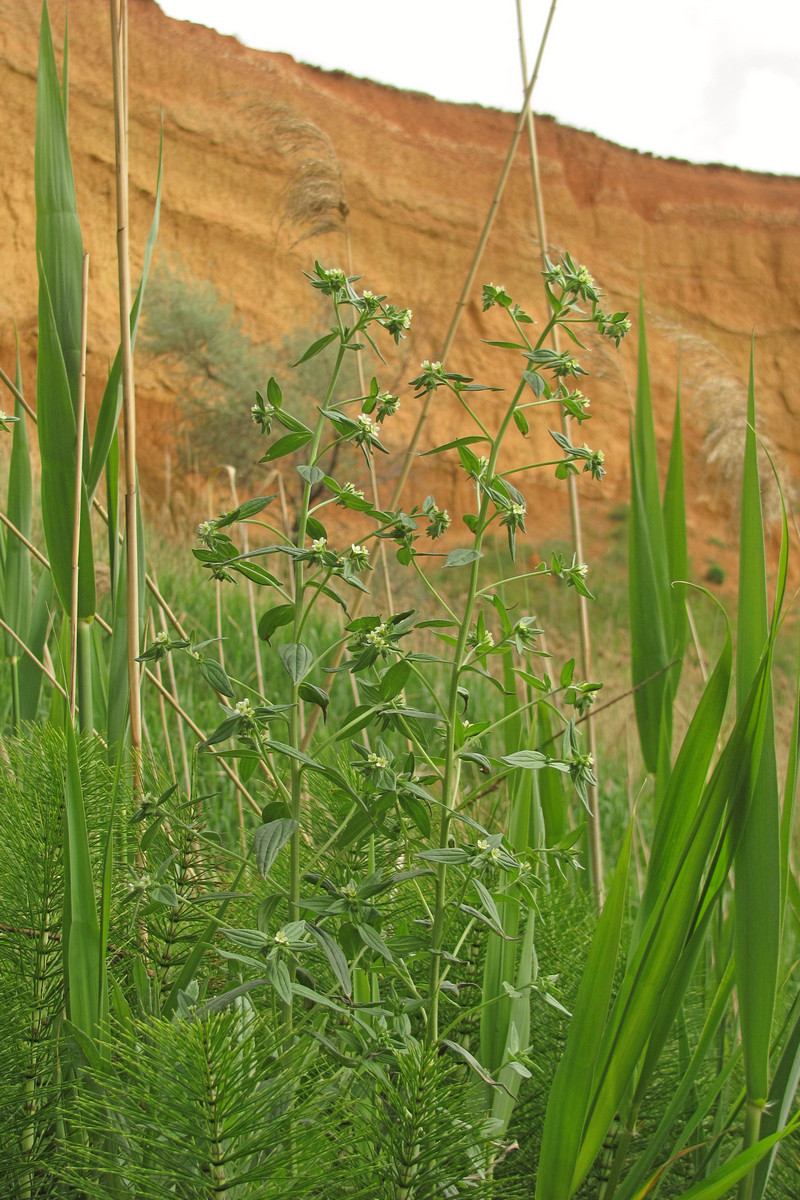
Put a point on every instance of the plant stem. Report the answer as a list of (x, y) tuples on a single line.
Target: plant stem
[(295, 730), (595, 843), (752, 1129), (119, 21), (85, 672), (452, 767)]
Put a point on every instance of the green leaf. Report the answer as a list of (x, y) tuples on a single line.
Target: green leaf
[(296, 659), (18, 586), (460, 558), (571, 1090), (84, 953), (370, 937), (269, 840), (214, 673), (275, 618), (315, 695), (526, 760), (335, 956), (286, 445), (311, 475), (278, 974), (757, 912), (394, 680), (317, 347)]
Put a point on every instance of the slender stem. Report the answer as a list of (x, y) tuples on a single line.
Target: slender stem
[(752, 1130), (295, 730), (473, 269), (119, 20), (451, 763), (80, 420), (595, 843)]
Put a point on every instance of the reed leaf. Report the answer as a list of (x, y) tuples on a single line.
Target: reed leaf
[(757, 923), (683, 902), (17, 576), (570, 1094), (674, 516), (652, 636), (84, 953), (59, 250)]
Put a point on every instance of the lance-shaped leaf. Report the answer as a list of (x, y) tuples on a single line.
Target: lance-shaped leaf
[(757, 915), (674, 510), (648, 581), (17, 593), (59, 252), (58, 448), (84, 958), (571, 1090)]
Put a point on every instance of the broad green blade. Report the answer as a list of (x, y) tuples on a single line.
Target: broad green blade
[(30, 677), (118, 692), (518, 1030), (672, 1112), (674, 509), (781, 1096), (757, 869), (58, 447), (84, 957), (18, 587), (723, 1179), (651, 635), (111, 404), (660, 948), (59, 253), (678, 809), (59, 246), (573, 1083)]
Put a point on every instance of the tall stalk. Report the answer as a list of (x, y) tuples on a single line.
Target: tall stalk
[(584, 634), (472, 272), (80, 632), (119, 21)]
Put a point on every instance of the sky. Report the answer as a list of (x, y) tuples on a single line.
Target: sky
[(703, 80)]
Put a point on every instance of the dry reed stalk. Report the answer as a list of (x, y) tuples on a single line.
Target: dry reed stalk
[(584, 633), (119, 21), (451, 333)]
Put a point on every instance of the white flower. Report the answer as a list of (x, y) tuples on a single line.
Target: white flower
[(378, 761), (319, 544), (244, 708), (162, 638), (281, 939)]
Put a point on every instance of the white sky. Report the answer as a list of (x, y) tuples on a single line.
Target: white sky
[(704, 80)]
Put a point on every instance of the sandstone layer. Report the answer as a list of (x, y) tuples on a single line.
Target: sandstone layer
[(716, 251)]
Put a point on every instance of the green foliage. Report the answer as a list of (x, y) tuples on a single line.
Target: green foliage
[(220, 368), (385, 976)]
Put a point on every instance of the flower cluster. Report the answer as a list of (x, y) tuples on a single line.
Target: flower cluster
[(395, 321), (572, 280), (387, 406), (574, 404), (331, 281), (263, 414), (573, 574), (613, 325), (495, 294), (438, 518)]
